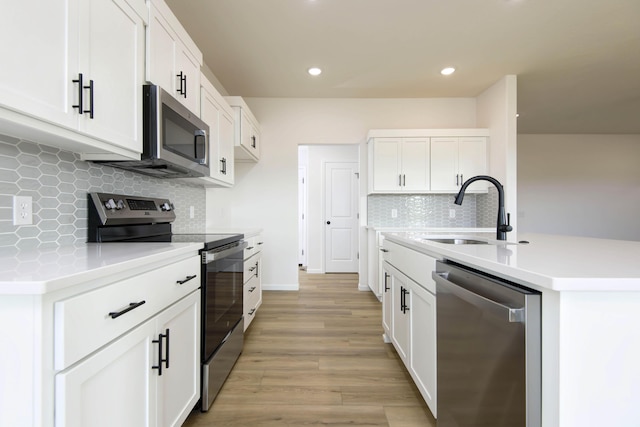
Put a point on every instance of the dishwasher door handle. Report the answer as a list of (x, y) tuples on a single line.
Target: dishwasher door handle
[(513, 315)]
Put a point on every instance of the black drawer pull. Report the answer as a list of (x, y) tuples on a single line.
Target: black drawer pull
[(182, 282), (132, 305), (253, 310), (249, 248), (252, 289)]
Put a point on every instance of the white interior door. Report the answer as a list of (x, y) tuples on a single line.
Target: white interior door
[(302, 216), (341, 218)]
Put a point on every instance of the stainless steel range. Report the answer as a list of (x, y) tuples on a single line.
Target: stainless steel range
[(121, 218)]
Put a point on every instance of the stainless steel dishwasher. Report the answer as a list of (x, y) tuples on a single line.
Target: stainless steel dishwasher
[(488, 350)]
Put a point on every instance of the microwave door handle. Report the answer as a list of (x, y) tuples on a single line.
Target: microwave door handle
[(200, 133)]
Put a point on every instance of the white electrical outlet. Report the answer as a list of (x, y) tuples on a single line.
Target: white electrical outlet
[(192, 212), (22, 210), (394, 213), (452, 213)]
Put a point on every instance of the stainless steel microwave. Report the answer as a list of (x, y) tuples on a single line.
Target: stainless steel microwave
[(175, 141)]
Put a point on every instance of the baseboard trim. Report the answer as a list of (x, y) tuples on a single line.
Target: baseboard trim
[(275, 287), (315, 271), (364, 287)]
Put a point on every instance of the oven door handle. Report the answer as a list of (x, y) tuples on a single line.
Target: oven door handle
[(215, 254)]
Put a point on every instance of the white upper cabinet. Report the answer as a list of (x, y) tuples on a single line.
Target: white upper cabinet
[(216, 112), (455, 159), (247, 131), (83, 91), (399, 165), (173, 59), (426, 160), (111, 42)]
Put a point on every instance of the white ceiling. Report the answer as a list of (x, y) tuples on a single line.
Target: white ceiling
[(577, 61)]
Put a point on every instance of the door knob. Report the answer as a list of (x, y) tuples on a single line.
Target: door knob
[(328, 222)]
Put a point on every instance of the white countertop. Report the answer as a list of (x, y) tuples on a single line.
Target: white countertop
[(560, 263), (39, 271)]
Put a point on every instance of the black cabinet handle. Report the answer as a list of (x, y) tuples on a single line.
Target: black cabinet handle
[(223, 166), (252, 289), (384, 250), (90, 110), (182, 282), (253, 310), (257, 268), (79, 105), (249, 248), (184, 89), (166, 361), (252, 268), (162, 337), (181, 89), (131, 306), (259, 243), (386, 276), (404, 180), (328, 222), (253, 141), (404, 306)]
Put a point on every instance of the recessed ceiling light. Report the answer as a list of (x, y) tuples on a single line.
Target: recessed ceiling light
[(447, 71), (314, 71)]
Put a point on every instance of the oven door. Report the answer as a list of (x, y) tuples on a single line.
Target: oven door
[(222, 297)]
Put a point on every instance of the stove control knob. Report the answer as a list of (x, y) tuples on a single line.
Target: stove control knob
[(166, 207), (120, 204), (110, 204)]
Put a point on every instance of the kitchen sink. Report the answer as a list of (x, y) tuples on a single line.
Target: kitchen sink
[(458, 241)]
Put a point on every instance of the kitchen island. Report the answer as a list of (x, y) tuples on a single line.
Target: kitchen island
[(590, 316)]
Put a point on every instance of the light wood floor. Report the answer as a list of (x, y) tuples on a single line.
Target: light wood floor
[(316, 358)]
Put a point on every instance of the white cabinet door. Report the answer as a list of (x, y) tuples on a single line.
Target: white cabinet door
[(225, 147), (472, 161), (453, 160), (415, 164), (188, 68), (179, 384), (173, 61), (113, 387), (444, 164), (111, 60), (400, 332), (399, 165), (422, 360), (216, 113), (249, 137), (39, 54), (387, 163), (387, 304), (161, 50)]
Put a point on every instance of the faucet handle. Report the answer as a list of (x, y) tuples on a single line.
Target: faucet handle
[(507, 227)]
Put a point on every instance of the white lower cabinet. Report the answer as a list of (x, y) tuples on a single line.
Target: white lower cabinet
[(400, 316), (422, 358), (409, 315), (148, 377), (252, 298), (115, 386)]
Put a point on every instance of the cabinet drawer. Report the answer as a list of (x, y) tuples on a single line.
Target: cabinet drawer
[(252, 299), (88, 321), (416, 265), (251, 267), (254, 245)]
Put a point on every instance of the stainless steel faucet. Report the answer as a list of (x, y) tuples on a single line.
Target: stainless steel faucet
[(503, 225)]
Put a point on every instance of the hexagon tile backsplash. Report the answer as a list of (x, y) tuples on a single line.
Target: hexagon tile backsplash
[(58, 182)]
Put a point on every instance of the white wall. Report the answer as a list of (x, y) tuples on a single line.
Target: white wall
[(265, 194), (318, 156), (497, 108), (583, 185)]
